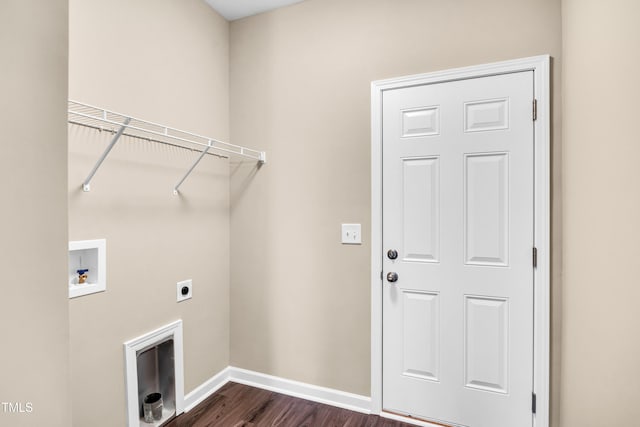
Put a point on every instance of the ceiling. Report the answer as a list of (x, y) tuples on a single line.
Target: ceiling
[(236, 9)]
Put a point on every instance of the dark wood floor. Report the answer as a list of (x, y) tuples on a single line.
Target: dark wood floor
[(236, 405)]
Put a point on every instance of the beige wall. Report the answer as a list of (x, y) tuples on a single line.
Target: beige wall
[(164, 61), (300, 89), (34, 361), (600, 345)]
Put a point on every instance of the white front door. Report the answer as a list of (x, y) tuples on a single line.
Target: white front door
[(458, 194)]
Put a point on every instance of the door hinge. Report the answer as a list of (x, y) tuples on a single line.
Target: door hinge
[(535, 110), (533, 403), (535, 257), (381, 273)]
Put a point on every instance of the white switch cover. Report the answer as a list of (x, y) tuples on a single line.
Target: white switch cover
[(351, 234)]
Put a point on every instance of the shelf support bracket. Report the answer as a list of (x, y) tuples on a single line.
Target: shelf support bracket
[(86, 185), (193, 166)]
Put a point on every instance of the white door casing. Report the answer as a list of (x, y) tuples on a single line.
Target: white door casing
[(463, 206)]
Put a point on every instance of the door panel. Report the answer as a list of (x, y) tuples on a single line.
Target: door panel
[(421, 335), (486, 343), (420, 209), (486, 209), (486, 115), (420, 122), (458, 208)]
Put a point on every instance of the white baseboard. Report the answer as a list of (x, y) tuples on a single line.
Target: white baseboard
[(206, 389), (314, 393), (328, 396)]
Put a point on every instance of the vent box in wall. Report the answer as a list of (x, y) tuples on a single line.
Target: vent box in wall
[(87, 258), (154, 364)]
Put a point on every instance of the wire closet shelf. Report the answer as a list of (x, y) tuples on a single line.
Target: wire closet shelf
[(121, 124)]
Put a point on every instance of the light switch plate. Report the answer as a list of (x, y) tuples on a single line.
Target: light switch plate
[(351, 234), (184, 284)]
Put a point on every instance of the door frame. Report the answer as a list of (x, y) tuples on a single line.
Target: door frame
[(540, 65)]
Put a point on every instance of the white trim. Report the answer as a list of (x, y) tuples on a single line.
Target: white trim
[(314, 393), (327, 396), (206, 389), (376, 248), (540, 65), (542, 239), (131, 349)]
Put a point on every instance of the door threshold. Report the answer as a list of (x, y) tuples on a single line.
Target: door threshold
[(411, 419)]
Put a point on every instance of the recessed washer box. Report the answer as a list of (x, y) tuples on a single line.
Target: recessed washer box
[(88, 257)]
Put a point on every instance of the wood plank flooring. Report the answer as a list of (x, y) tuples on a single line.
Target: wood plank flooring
[(236, 405)]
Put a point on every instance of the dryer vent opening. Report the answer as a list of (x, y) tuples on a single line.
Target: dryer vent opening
[(154, 364)]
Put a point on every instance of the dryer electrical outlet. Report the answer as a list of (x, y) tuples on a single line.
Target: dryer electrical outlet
[(184, 290)]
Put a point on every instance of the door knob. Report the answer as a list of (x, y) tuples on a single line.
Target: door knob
[(392, 254), (392, 277)]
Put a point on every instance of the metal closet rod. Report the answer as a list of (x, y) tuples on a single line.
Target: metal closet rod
[(93, 114)]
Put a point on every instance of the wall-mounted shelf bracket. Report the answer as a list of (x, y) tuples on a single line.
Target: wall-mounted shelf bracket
[(86, 185), (193, 166)]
